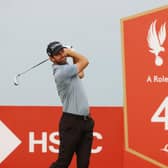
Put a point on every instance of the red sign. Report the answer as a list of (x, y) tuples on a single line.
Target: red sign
[(33, 133), (145, 52)]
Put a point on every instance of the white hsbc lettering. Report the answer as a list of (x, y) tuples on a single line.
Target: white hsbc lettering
[(54, 139)]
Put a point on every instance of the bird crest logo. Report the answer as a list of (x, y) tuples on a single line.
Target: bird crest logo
[(156, 40)]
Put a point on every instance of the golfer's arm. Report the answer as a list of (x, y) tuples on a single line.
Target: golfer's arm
[(80, 74), (80, 61)]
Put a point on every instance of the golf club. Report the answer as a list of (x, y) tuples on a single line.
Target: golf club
[(16, 78)]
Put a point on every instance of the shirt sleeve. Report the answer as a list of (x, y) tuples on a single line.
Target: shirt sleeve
[(65, 72), (70, 70)]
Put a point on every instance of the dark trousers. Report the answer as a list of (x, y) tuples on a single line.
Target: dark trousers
[(76, 136)]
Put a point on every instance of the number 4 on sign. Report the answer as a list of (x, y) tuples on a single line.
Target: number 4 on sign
[(157, 115)]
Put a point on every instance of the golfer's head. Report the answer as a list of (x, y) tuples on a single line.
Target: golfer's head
[(55, 51), (53, 48)]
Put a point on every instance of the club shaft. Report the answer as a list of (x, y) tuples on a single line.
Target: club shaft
[(32, 67)]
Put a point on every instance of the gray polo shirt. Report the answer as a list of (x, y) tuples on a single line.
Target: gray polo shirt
[(70, 89)]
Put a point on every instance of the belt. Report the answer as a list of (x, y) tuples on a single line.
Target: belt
[(79, 117)]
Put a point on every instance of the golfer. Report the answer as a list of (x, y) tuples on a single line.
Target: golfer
[(76, 124)]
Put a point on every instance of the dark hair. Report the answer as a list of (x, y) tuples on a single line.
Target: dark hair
[(53, 48)]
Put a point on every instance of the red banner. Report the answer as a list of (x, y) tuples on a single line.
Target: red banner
[(145, 52), (32, 133)]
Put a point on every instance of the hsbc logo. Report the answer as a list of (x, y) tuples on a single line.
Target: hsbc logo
[(8, 142), (47, 142)]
